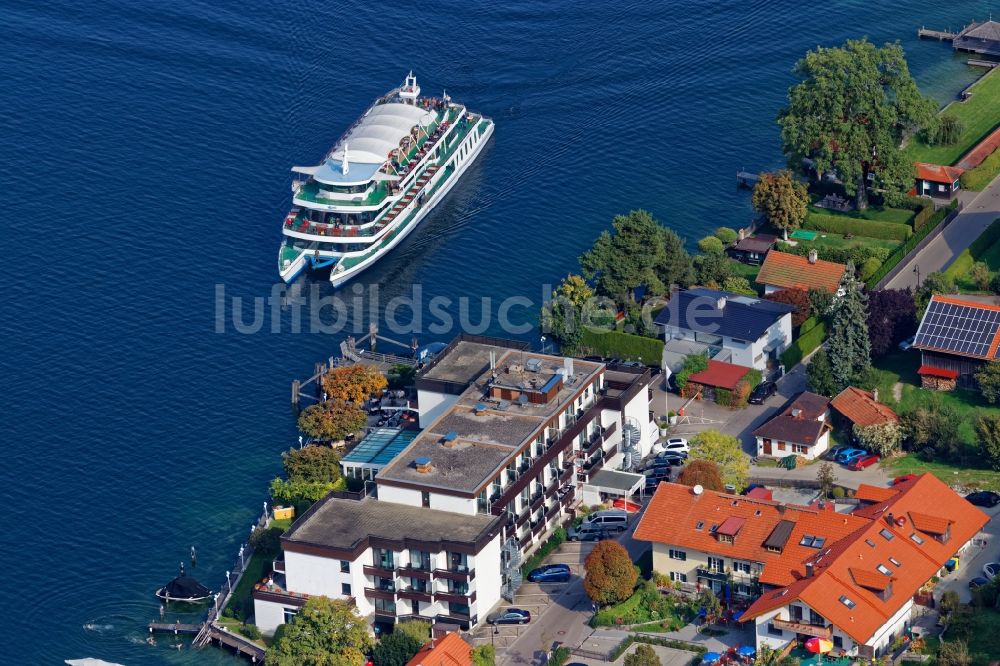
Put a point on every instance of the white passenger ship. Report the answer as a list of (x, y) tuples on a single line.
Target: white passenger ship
[(378, 182)]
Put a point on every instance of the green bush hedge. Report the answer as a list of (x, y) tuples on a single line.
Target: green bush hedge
[(923, 216), (808, 340), (977, 179), (838, 224), (553, 542), (900, 252), (615, 344), (986, 240)]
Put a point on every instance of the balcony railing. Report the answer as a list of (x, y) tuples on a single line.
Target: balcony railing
[(418, 595), (455, 574), (820, 630), (375, 593), (711, 574), (370, 570)]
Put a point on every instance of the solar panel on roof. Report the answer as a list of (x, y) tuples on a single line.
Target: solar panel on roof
[(960, 329)]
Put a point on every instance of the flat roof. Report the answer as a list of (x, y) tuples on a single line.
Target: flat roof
[(380, 446), (615, 480), (343, 523), (488, 433)]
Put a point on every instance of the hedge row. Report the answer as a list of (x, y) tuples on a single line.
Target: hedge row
[(626, 346), (808, 340), (924, 216), (977, 179), (849, 225), (900, 252), (986, 240)]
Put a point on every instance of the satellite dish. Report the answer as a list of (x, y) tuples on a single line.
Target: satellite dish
[(698, 490)]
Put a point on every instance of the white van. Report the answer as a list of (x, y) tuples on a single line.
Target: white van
[(614, 520)]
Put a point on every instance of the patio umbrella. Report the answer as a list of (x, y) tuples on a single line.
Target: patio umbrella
[(710, 657), (819, 645), (746, 651)]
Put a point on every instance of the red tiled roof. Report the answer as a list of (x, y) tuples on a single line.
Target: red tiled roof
[(861, 408), (448, 651), (936, 173), (866, 493), (720, 375), (843, 571), (931, 371), (929, 524), (731, 526), (790, 271), (799, 423)]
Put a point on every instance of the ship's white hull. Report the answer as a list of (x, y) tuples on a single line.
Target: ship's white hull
[(343, 276)]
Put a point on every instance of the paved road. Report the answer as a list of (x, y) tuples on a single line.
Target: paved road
[(972, 564), (979, 211)]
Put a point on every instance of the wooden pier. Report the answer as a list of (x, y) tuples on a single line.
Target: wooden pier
[(988, 64), (746, 179), (174, 627), (940, 35)]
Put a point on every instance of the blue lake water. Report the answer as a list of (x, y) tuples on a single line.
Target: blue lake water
[(145, 164)]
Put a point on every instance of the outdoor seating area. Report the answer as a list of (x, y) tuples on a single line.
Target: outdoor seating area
[(835, 202), (832, 658)]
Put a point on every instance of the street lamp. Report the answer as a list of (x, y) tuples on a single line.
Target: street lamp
[(916, 269)]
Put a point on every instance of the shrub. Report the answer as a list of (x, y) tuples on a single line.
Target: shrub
[(980, 275), (644, 655), (808, 341), (484, 655), (986, 240), (251, 631), (266, 540), (995, 284), (839, 224), (726, 235), (711, 245), (559, 656), (977, 179), (610, 577), (615, 344), (396, 649), (837, 492), (869, 268), (923, 216), (693, 364)]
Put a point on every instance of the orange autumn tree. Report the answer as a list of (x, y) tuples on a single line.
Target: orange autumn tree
[(704, 473), (611, 576), (354, 383)]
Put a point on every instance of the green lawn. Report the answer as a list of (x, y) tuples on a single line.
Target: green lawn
[(740, 269), (254, 574), (838, 241), (984, 645), (960, 268), (875, 213), (979, 116)]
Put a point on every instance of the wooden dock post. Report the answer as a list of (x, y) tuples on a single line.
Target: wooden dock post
[(295, 393)]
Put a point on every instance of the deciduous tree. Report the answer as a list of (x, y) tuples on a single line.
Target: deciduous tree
[(704, 473), (826, 477), (980, 275), (892, 318), (849, 114), (739, 285), (354, 383), (781, 199), (711, 244), (395, 649), (611, 576), (323, 633), (725, 451), (849, 346), (820, 302), (933, 284), (332, 420), (933, 426), (419, 629), (563, 315), (726, 235), (797, 298), (953, 653), (644, 655), (312, 463), (484, 655), (988, 379), (881, 438), (712, 269), (988, 437)]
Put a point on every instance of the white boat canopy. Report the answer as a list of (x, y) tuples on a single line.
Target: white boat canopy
[(380, 131)]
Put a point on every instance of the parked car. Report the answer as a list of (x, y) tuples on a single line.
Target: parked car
[(674, 444), (991, 570), (550, 573), (762, 392), (906, 344), (977, 583), (863, 462), (609, 519), (847, 455), (903, 479), (510, 616), (835, 451), (587, 532), (668, 459), (986, 498)]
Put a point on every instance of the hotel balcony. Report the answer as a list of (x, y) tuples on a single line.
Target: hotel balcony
[(276, 592), (379, 571), (455, 597), (823, 631), (376, 593), (418, 595), (463, 574)]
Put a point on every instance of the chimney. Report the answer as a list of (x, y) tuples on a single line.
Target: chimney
[(813, 256), (742, 233), (889, 518), (875, 394), (809, 569), (423, 465), (568, 366)]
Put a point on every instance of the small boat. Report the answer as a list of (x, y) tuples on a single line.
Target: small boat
[(89, 661), (184, 588)]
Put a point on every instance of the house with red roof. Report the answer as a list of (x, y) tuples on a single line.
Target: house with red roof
[(862, 408), (781, 271), (801, 429), (934, 180), (957, 336), (448, 650), (848, 577), (718, 375)]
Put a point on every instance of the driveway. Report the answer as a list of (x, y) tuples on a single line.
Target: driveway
[(978, 212), (972, 563)]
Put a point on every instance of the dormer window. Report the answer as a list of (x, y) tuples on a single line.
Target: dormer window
[(847, 602)]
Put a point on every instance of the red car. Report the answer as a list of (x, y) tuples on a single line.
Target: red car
[(903, 479), (863, 462)]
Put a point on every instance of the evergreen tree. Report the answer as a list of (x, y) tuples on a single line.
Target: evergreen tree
[(849, 345)]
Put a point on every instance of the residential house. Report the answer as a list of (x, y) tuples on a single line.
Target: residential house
[(717, 375), (861, 409), (448, 650), (752, 249), (782, 270), (807, 571), (742, 330), (801, 429), (957, 336), (512, 441), (934, 180)]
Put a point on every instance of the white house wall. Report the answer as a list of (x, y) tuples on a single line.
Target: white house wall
[(431, 404)]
